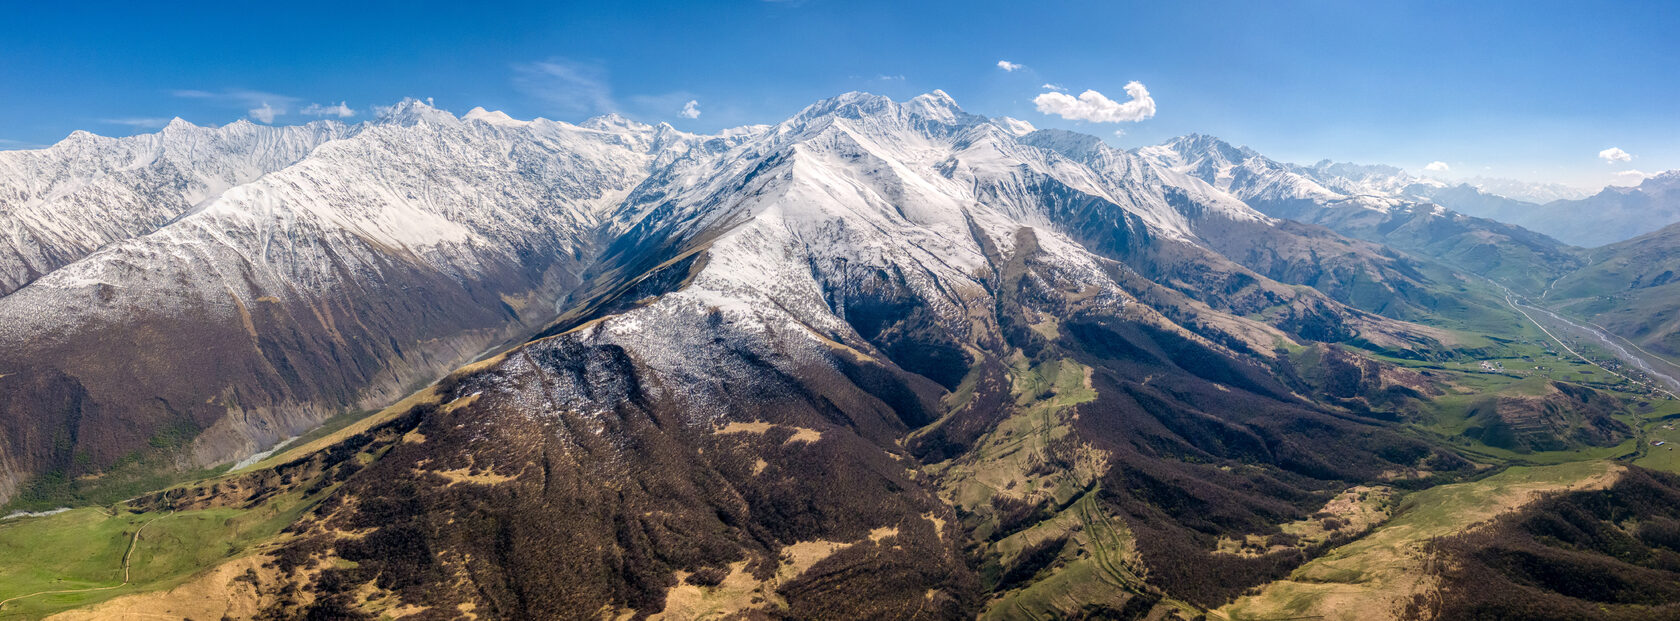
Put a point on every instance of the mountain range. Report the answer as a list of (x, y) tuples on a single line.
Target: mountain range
[(1612, 215), (881, 359)]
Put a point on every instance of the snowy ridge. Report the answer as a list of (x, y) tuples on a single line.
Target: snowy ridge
[(861, 176), (1239, 171), (1538, 193), (421, 186), (863, 197), (452, 229), (382, 251), (60, 203), (1255, 178)]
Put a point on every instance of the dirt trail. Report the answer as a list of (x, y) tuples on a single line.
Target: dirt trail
[(127, 554)]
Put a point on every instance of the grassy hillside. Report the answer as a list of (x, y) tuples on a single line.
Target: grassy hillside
[(1386, 573), (76, 558)]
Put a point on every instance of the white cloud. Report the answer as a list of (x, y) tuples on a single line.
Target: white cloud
[(890, 78), (1631, 177), (264, 113), (568, 86), (1613, 155), (1053, 87), (137, 122), (1093, 106), (258, 105), (1119, 133), (1437, 167), (660, 106), (1009, 66), (691, 110), (341, 110)]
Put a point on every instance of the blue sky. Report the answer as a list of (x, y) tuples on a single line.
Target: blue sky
[(1529, 90)]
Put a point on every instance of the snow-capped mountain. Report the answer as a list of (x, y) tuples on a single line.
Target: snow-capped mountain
[(61, 203), (1255, 178), (256, 302), (314, 269), (1350, 178), (1294, 191), (812, 369), (859, 196), (1612, 215), (1377, 203), (780, 322), (1578, 217), (1526, 191)]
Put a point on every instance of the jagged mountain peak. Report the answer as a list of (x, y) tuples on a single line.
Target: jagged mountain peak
[(1197, 143), (1537, 193), (1666, 180), (938, 95), (936, 107), (1198, 151), (412, 111), (615, 122), (1353, 170), (850, 98), (88, 191), (493, 117), (77, 137), (852, 105)]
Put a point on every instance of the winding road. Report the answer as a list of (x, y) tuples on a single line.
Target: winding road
[(1617, 349)]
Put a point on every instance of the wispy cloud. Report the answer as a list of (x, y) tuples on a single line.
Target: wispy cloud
[(1009, 66), (566, 85), (890, 78), (138, 122), (1097, 108), (258, 105), (1053, 87), (341, 110), (6, 143), (1437, 166), (1613, 155), (691, 110)]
